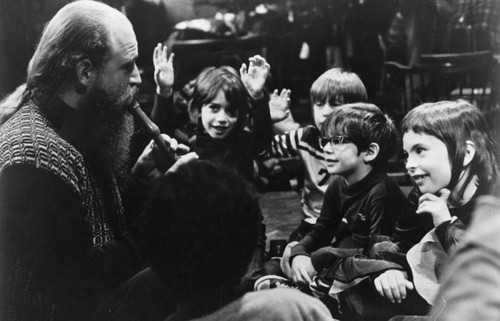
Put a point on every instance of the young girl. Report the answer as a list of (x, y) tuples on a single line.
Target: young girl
[(452, 160), (220, 106)]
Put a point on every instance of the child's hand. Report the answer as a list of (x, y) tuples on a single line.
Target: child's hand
[(279, 104), (255, 76), (302, 269), (285, 259), (164, 70), (435, 205), (393, 285)]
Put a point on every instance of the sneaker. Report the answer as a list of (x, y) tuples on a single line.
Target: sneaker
[(274, 281)]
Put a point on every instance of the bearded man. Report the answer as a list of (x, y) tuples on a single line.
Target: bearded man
[(64, 240)]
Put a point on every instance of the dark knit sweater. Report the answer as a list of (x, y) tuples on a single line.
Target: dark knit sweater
[(62, 229)]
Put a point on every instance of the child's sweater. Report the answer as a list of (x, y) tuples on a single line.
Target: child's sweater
[(351, 214), (304, 142)]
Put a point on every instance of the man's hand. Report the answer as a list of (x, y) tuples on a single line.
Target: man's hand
[(302, 269), (285, 259), (393, 285), (255, 76), (435, 205), (149, 164), (164, 70), (279, 104)]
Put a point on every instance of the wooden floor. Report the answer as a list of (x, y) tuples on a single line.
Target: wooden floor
[(282, 213)]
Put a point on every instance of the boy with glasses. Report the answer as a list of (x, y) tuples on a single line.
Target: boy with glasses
[(360, 202)]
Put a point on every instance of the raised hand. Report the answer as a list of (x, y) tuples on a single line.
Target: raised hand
[(254, 77), (164, 70), (393, 285), (436, 205), (279, 104)]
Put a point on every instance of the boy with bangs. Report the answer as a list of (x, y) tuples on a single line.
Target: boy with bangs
[(333, 88), (362, 201)]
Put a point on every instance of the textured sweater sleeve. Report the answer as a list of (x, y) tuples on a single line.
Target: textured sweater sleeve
[(286, 145), (45, 228)]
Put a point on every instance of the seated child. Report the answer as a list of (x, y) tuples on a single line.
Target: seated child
[(361, 201), (200, 240), (221, 103), (452, 160), (333, 88)]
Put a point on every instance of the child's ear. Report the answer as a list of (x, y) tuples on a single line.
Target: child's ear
[(371, 152), (85, 72), (470, 151)]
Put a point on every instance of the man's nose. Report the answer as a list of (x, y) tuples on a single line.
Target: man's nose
[(135, 77)]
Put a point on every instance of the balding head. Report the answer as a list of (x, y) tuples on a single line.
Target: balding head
[(80, 30)]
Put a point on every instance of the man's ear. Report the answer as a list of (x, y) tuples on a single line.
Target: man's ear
[(371, 152), (470, 151), (85, 72)]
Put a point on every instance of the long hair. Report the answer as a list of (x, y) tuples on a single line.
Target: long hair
[(208, 84), (454, 123), (11, 103), (78, 31)]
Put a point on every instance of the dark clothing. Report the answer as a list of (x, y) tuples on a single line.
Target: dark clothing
[(350, 274), (62, 229), (352, 213), (238, 149)]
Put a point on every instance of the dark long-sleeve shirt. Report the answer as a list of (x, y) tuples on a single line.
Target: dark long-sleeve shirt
[(352, 213)]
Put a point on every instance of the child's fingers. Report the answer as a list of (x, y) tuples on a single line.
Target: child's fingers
[(182, 149), (444, 193), (164, 51), (243, 69), (275, 92)]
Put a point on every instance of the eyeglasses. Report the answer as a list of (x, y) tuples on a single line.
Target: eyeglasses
[(334, 140)]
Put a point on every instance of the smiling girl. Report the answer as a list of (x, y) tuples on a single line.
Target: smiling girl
[(452, 160)]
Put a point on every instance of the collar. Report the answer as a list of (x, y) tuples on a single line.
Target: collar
[(364, 184), (55, 110)]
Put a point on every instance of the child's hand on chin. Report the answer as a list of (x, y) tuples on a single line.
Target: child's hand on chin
[(436, 205)]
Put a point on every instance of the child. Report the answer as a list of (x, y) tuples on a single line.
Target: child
[(220, 107), (200, 249), (452, 160), (333, 88), (362, 200)]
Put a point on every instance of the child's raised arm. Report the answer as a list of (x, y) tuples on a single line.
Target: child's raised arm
[(164, 70), (279, 104), (254, 77)]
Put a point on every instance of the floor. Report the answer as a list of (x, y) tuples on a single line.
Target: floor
[(282, 213)]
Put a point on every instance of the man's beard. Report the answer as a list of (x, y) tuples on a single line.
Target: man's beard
[(109, 130)]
